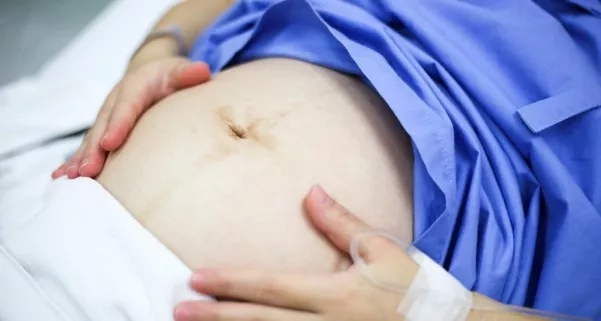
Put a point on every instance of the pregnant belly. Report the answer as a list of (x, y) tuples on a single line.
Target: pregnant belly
[(218, 172)]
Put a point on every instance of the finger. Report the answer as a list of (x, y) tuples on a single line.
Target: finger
[(340, 226), (98, 129), (135, 96), (301, 292), (73, 163), (93, 160), (60, 171), (231, 311), (93, 156), (86, 152), (191, 74), (138, 94)]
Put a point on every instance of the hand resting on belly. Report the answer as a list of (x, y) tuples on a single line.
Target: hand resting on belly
[(218, 172)]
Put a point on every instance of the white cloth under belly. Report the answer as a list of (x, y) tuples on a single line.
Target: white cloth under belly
[(84, 257)]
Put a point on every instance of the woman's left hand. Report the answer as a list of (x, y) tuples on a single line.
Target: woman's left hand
[(341, 296)]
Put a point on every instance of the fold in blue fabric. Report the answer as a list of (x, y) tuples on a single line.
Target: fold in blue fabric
[(500, 99)]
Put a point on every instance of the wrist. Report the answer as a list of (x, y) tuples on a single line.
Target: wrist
[(167, 41), (488, 309), (155, 49)]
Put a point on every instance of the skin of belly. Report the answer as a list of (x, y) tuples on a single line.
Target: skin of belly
[(218, 172)]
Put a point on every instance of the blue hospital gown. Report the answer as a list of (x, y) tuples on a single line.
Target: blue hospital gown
[(500, 100)]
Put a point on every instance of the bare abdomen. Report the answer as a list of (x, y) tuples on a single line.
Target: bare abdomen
[(218, 172)]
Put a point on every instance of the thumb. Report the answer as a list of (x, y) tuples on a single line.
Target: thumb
[(340, 226), (191, 74)]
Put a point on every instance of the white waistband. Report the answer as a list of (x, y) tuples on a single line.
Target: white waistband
[(87, 258)]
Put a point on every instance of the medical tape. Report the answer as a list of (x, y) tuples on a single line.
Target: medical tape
[(434, 295)]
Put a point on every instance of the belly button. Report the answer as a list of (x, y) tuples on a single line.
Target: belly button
[(238, 131), (249, 134)]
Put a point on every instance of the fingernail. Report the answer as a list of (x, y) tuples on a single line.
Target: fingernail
[(182, 313), (72, 171), (84, 163), (197, 280), (319, 195), (103, 141)]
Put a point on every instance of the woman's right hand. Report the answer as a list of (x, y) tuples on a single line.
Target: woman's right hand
[(139, 90)]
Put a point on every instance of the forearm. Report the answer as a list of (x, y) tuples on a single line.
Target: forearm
[(495, 311), (192, 17)]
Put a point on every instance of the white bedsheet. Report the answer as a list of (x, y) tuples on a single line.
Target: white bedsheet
[(62, 98), (102, 265)]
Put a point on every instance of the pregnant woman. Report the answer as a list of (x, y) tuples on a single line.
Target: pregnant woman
[(380, 105)]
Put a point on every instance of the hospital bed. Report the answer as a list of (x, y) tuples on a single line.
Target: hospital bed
[(43, 117)]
